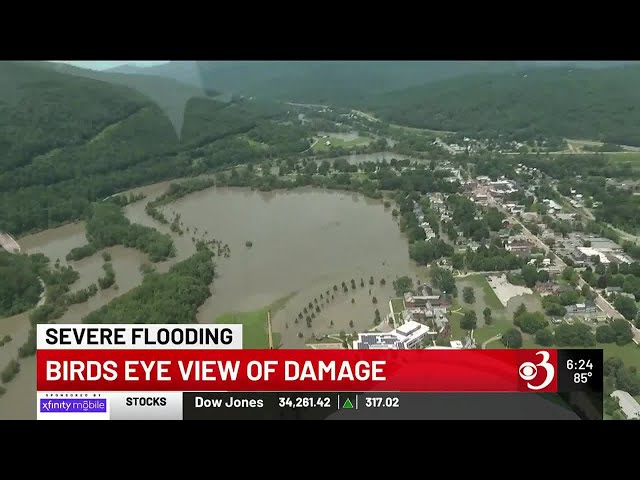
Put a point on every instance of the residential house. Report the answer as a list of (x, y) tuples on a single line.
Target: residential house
[(520, 246)]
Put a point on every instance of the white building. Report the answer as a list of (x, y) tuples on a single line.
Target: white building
[(552, 204), (628, 404), (406, 336), (590, 252), (378, 341), (412, 333)]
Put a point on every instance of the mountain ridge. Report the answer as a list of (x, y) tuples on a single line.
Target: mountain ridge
[(331, 81), (599, 104)]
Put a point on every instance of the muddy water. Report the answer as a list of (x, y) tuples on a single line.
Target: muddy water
[(304, 241), (357, 158), (19, 400)]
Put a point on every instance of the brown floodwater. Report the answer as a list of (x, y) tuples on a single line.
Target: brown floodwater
[(303, 242)]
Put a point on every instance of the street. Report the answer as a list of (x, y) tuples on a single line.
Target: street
[(600, 301)]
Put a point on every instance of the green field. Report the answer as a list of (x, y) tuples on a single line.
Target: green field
[(423, 131), (629, 354), (623, 157), (254, 144), (490, 297), (254, 324), (499, 325), (484, 297), (397, 304), (321, 146)]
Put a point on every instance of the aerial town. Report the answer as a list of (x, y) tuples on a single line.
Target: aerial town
[(359, 206), (557, 285)]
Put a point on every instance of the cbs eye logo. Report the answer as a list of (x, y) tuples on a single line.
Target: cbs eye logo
[(529, 371)]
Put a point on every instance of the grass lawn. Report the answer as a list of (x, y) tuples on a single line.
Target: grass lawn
[(499, 325), (629, 354), (421, 130), (480, 282), (496, 345), (623, 156), (321, 145), (456, 311), (254, 144), (485, 297), (397, 304), (254, 324)]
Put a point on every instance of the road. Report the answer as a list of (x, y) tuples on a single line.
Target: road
[(600, 301), (603, 304), (492, 339), (8, 243), (483, 272)]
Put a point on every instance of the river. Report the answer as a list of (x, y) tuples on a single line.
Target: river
[(303, 241)]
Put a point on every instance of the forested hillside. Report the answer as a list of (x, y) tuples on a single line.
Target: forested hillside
[(599, 104), (321, 82), (167, 93), (41, 110), (329, 82), (67, 141)]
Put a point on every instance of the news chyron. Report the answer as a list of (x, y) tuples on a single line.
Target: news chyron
[(80, 356)]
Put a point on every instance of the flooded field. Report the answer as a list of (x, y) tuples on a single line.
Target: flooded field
[(300, 240), (303, 241), (355, 158)]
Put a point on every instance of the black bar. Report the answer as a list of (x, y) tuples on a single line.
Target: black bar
[(376, 406), (581, 381)]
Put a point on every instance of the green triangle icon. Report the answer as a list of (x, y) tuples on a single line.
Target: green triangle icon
[(347, 404)]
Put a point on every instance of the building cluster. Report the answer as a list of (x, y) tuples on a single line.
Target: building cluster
[(439, 206), (419, 213), (406, 336), (502, 186), (519, 245), (586, 250), (426, 305), (552, 206), (422, 319)]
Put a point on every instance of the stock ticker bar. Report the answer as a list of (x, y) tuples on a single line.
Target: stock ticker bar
[(201, 372), (578, 395)]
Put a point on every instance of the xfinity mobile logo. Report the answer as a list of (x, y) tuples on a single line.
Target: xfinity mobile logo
[(73, 406)]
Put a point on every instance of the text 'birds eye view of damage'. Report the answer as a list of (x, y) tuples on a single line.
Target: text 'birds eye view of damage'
[(325, 205)]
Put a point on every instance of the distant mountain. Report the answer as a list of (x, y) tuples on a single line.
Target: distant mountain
[(591, 103), (331, 82), (169, 94), (42, 110), (185, 72), (67, 140)]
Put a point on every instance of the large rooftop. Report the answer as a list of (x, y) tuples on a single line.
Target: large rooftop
[(628, 404)]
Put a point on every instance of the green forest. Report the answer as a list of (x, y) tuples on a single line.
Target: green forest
[(107, 226), (331, 82), (598, 104), (66, 142), (23, 290), (172, 297)]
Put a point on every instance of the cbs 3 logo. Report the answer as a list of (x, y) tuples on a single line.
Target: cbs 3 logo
[(529, 371)]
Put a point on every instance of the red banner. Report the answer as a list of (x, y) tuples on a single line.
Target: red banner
[(430, 370)]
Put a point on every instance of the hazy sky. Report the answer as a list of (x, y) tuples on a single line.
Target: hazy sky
[(104, 64)]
